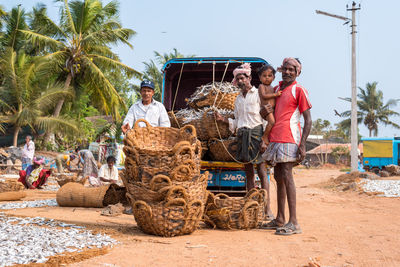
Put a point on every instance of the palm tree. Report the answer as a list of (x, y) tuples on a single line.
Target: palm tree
[(13, 21), (372, 110), (25, 100), (77, 49)]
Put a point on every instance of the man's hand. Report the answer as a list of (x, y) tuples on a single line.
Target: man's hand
[(279, 93), (265, 110), (219, 117), (301, 153), (125, 128), (263, 146)]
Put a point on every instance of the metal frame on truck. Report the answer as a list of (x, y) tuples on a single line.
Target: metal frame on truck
[(181, 77)]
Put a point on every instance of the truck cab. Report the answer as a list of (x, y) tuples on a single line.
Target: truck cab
[(380, 152), (181, 77)]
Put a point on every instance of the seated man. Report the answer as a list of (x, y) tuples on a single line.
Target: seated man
[(108, 174)]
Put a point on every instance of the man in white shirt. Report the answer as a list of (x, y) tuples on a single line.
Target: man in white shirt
[(108, 174), (248, 125), (146, 108), (27, 152)]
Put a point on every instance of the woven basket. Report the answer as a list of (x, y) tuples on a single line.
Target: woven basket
[(226, 212), (219, 149), (173, 218), (159, 140), (76, 195), (12, 195), (11, 185), (215, 129), (223, 101), (63, 179)]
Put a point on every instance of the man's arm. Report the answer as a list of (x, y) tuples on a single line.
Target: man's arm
[(129, 119), (301, 153)]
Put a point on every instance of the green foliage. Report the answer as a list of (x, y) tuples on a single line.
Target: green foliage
[(25, 99), (78, 47), (372, 110), (340, 152)]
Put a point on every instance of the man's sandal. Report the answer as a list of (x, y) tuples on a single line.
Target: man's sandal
[(272, 225), (288, 229)]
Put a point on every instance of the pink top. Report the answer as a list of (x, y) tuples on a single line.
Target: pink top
[(288, 108)]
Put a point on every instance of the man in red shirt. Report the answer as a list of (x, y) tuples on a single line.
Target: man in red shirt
[(287, 144)]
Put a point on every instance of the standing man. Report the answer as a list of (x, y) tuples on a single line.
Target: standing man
[(248, 124), (288, 144), (146, 108), (27, 152)]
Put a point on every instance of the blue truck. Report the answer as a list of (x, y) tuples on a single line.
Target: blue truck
[(380, 152), (181, 76)]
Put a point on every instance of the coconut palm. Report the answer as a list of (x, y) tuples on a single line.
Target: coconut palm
[(26, 100), (77, 49), (372, 110), (13, 22)]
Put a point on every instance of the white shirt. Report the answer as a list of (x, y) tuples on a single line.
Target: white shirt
[(29, 150), (155, 113), (247, 111), (105, 172)]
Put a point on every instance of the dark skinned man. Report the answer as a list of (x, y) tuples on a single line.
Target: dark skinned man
[(248, 125), (288, 144)]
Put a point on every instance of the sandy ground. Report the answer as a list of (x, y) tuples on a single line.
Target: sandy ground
[(339, 229)]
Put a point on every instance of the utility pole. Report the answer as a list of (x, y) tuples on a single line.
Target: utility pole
[(354, 124)]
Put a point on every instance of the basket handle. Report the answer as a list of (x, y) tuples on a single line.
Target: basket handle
[(243, 219), (176, 190), (141, 205), (251, 191), (197, 206), (188, 129), (182, 149), (181, 173), (136, 126), (221, 196), (176, 202), (157, 180)]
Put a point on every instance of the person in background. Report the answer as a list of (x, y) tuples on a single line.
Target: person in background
[(146, 108), (35, 175), (86, 158), (64, 161), (28, 152), (108, 173)]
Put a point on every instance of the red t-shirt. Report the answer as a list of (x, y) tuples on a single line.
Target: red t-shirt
[(288, 108)]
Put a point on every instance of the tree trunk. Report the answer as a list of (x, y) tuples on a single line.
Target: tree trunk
[(15, 138), (370, 132), (58, 107)]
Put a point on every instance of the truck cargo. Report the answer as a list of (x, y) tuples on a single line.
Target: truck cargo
[(181, 78), (380, 152)]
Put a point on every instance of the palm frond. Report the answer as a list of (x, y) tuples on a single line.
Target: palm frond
[(67, 12), (41, 40), (108, 62), (61, 124)]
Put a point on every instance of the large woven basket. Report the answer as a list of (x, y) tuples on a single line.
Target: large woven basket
[(11, 185), (76, 195), (12, 195), (216, 99), (215, 129), (226, 212), (224, 150), (159, 141), (172, 218), (161, 188)]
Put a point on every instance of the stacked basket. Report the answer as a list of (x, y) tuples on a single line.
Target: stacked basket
[(163, 180), (205, 101), (226, 212)]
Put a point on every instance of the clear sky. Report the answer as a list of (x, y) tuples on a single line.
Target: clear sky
[(272, 30)]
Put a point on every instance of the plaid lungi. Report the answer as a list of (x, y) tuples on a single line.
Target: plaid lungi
[(280, 153), (248, 144)]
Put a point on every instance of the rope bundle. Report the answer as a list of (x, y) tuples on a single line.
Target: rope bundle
[(163, 180)]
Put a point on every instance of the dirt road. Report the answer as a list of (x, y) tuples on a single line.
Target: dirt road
[(339, 229)]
